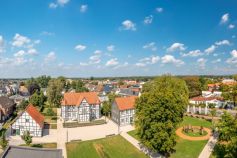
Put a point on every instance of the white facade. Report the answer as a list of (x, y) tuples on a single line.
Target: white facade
[(26, 123), (217, 103), (122, 117), (82, 113)]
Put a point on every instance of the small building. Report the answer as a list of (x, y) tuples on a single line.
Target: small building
[(123, 110), (81, 107), (6, 108), (30, 120), (217, 101), (30, 152)]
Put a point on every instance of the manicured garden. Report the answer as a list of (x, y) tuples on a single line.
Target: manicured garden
[(186, 148), (110, 147)]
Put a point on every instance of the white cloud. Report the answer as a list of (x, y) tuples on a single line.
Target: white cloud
[(51, 56), (60, 3), (83, 8), (148, 61), (210, 50), (20, 53), (202, 63), (112, 62), (154, 59), (148, 19), (140, 64), (216, 61), (231, 26), (110, 48), (32, 51), (37, 41), (20, 41), (169, 59), (95, 59), (53, 5), (176, 47), (98, 52), (193, 53), (223, 42), (128, 25), (233, 58), (80, 47), (46, 33), (159, 9), (224, 18), (151, 46), (2, 45)]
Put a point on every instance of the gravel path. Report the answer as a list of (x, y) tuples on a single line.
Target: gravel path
[(206, 137)]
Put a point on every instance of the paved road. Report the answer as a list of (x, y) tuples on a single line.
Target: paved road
[(207, 150)]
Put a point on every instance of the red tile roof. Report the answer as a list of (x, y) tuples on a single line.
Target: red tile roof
[(76, 98), (35, 114), (200, 98), (125, 103)]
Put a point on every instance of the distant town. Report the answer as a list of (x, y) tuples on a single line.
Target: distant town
[(50, 115)]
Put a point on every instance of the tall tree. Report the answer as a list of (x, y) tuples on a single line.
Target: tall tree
[(230, 93), (194, 85), (43, 81), (54, 92), (227, 141), (159, 110), (38, 99), (79, 86), (27, 137)]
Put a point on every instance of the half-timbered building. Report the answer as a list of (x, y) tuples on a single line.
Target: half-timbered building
[(123, 110), (30, 120), (81, 107)]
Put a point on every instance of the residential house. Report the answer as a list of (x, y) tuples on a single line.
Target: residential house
[(30, 120), (81, 107), (6, 108), (218, 101), (123, 110)]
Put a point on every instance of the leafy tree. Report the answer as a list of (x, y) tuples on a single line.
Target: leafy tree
[(213, 114), (235, 77), (194, 86), (159, 110), (227, 141), (43, 81), (54, 92), (27, 138), (23, 105), (230, 93), (106, 108), (50, 112), (38, 99), (79, 86), (3, 141)]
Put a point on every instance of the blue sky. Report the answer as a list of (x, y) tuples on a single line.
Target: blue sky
[(83, 38)]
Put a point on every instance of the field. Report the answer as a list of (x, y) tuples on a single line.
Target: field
[(111, 147), (186, 148)]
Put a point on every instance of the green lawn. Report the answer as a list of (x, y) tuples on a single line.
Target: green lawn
[(195, 122), (111, 147), (188, 149), (185, 148)]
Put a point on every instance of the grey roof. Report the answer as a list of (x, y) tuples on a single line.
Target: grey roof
[(6, 102), (29, 152)]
